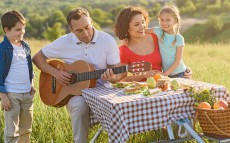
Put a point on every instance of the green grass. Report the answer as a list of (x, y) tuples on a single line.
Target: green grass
[(209, 62)]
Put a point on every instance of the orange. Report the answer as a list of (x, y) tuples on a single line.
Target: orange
[(157, 76), (204, 105)]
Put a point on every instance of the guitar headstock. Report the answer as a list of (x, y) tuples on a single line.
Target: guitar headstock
[(139, 67)]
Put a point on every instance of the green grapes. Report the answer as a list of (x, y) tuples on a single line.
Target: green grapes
[(202, 95)]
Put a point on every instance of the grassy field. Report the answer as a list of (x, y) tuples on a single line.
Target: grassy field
[(209, 62)]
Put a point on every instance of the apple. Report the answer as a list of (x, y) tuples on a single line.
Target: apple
[(220, 103), (175, 85), (223, 103), (221, 108), (151, 82)]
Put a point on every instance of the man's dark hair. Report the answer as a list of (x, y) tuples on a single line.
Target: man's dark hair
[(76, 14)]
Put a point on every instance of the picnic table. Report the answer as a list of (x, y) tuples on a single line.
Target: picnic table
[(121, 115)]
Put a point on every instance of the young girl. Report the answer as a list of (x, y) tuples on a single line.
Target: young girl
[(171, 42)]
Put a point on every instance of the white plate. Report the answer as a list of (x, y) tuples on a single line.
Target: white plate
[(109, 84)]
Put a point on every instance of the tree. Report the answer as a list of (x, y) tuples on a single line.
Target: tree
[(214, 8), (35, 25), (114, 11), (143, 3), (180, 3), (54, 32), (57, 16), (155, 10), (101, 17), (189, 8), (214, 25), (200, 4), (226, 6)]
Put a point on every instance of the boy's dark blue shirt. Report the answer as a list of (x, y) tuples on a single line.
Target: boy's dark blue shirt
[(6, 55)]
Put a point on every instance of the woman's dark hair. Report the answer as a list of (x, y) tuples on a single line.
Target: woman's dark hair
[(125, 16)]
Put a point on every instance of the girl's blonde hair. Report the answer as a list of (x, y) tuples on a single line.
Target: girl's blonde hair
[(173, 10)]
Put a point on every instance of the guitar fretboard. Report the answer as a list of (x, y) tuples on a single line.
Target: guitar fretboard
[(78, 77)]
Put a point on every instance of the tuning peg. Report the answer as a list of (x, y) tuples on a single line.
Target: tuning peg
[(136, 73)]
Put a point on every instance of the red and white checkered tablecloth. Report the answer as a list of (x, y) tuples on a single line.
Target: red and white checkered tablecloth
[(121, 115)]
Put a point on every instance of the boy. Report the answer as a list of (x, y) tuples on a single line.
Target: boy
[(16, 89)]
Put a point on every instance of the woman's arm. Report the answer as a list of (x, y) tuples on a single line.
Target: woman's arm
[(176, 63), (140, 76), (133, 78)]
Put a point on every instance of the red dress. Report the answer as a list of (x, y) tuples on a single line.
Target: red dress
[(127, 56)]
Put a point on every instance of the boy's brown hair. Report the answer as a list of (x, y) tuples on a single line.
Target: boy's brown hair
[(9, 19)]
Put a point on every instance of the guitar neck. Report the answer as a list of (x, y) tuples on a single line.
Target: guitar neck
[(78, 77)]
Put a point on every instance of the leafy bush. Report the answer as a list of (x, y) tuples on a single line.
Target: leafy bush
[(216, 8), (214, 25), (226, 6), (189, 8), (54, 32)]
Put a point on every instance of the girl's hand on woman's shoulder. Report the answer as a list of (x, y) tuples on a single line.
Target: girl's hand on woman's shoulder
[(149, 30)]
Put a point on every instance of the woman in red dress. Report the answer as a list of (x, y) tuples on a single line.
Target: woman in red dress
[(138, 46)]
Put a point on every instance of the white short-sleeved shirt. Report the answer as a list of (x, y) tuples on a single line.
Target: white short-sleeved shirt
[(17, 80), (168, 51), (100, 52)]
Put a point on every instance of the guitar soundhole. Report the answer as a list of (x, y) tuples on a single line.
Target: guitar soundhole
[(53, 85), (73, 79)]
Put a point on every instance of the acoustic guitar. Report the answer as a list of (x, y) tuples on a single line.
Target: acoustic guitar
[(54, 94)]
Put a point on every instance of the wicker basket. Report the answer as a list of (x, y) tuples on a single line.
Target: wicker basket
[(214, 121)]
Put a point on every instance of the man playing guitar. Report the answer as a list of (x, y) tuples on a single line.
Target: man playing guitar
[(85, 43)]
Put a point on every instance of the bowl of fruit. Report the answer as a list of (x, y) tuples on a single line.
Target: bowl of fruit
[(213, 115)]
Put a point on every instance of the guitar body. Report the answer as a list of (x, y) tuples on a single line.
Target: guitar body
[(52, 93), (84, 75)]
